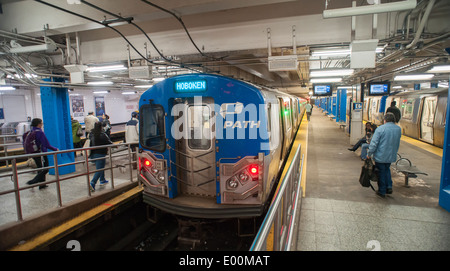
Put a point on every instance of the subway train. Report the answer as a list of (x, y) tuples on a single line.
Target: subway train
[(212, 146), (423, 113)]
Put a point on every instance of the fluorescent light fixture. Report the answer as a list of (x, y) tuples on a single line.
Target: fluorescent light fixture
[(128, 92), (101, 92), (413, 77), (440, 69), (158, 79), (397, 87), (331, 52), (327, 73), (143, 86), (106, 68), (326, 80), (370, 9), (7, 88), (34, 48), (98, 83), (345, 87)]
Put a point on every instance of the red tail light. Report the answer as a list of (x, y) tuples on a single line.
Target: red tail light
[(254, 169), (147, 163), (144, 162)]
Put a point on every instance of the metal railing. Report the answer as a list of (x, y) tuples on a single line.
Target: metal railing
[(282, 214), (14, 172), (9, 140)]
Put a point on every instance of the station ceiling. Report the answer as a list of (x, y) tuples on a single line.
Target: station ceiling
[(230, 37)]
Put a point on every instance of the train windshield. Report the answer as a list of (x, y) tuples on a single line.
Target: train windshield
[(151, 130)]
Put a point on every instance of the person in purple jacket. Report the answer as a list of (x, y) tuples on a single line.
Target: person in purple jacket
[(43, 145)]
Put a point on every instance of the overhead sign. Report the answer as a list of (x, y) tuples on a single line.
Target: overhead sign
[(357, 106), (190, 86)]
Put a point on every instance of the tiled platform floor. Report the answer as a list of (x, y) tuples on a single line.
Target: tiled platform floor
[(338, 214), (348, 225)]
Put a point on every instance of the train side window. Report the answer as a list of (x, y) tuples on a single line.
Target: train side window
[(199, 127), (152, 127), (407, 108)]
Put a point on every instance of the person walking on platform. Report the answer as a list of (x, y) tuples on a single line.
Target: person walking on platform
[(89, 122), (41, 144), (99, 138), (384, 147), (308, 109), (394, 110)]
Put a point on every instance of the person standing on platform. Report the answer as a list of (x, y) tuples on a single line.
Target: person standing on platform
[(132, 134), (77, 131), (308, 108), (106, 125), (99, 138), (41, 144), (89, 122), (384, 147), (394, 110)]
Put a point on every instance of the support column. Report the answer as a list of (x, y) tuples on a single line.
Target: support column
[(444, 190), (57, 123)]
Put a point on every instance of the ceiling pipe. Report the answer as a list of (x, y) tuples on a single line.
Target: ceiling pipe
[(372, 9), (422, 24)]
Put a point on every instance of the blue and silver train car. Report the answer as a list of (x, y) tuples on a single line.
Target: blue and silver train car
[(422, 113), (212, 146)]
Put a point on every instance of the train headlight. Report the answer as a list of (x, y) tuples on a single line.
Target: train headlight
[(243, 176), (232, 183), (161, 178), (155, 170)]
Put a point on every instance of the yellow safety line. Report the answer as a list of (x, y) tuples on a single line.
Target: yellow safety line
[(425, 146), (77, 222), (302, 140)]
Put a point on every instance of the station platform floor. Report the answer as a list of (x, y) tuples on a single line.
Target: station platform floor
[(338, 214)]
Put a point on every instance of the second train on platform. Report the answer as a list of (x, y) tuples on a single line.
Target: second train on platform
[(423, 113), (212, 146)]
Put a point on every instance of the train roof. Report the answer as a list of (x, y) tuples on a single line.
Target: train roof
[(216, 86), (422, 92)]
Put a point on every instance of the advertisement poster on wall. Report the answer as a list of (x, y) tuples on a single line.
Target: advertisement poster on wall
[(99, 106), (78, 108)]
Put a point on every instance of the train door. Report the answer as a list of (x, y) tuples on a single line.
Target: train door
[(195, 148), (427, 120), (283, 128), (367, 109)]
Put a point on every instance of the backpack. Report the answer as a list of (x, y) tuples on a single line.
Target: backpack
[(368, 173), (29, 142), (79, 131)]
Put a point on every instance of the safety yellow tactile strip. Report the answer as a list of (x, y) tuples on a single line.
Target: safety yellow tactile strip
[(302, 140), (77, 222), (425, 146)]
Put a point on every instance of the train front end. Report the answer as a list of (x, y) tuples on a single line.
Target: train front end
[(203, 147)]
